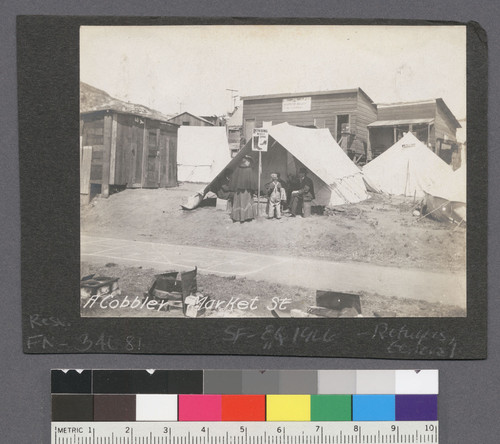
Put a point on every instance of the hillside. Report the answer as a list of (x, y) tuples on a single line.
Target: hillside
[(94, 99)]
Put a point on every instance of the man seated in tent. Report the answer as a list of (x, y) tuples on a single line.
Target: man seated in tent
[(305, 187)]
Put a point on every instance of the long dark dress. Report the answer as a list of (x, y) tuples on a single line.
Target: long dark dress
[(244, 183)]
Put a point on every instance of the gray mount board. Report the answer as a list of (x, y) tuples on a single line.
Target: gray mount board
[(48, 104)]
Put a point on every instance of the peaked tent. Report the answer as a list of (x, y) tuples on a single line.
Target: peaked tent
[(447, 199), (202, 152), (336, 179), (407, 168)]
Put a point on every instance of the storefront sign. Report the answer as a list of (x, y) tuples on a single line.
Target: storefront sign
[(296, 104)]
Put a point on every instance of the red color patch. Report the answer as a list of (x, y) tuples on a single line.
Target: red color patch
[(243, 407)]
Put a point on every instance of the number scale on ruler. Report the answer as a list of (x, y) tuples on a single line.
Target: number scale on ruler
[(143, 432)]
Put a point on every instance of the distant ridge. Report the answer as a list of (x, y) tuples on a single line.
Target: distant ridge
[(94, 99)]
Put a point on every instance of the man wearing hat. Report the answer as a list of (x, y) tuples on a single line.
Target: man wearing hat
[(305, 187)]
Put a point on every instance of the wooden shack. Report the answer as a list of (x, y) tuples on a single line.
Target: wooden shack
[(188, 119), (431, 121), (334, 110), (119, 150)]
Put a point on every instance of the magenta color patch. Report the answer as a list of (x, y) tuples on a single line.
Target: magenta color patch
[(200, 408)]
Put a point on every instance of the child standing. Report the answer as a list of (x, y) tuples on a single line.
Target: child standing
[(274, 197)]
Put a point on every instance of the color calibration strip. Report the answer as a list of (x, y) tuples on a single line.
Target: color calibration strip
[(248, 395), (372, 432)]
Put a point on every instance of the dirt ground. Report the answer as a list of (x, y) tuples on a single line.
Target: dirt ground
[(134, 282), (380, 230)]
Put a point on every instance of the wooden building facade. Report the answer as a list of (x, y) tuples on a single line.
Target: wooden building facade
[(350, 108), (431, 121), (121, 150)]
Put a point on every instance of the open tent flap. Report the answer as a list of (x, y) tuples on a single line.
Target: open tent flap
[(336, 179)]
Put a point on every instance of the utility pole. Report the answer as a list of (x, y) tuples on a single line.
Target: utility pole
[(233, 96)]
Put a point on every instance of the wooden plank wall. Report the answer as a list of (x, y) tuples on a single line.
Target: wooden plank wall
[(168, 157), (325, 107), (443, 126), (118, 142), (366, 113), (112, 161), (150, 160), (123, 154), (92, 133), (172, 160), (106, 155), (137, 152), (85, 165), (130, 140), (128, 159)]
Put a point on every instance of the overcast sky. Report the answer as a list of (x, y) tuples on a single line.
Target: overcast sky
[(190, 68)]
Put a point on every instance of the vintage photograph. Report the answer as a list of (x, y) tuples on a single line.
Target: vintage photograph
[(286, 171)]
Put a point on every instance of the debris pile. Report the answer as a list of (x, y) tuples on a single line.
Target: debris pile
[(180, 292), (98, 286), (331, 304)]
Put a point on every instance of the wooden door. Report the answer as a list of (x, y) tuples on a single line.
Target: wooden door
[(152, 160), (171, 161)]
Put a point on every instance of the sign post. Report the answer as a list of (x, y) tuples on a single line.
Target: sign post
[(260, 138), (258, 184)]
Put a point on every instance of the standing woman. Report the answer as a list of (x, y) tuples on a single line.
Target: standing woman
[(244, 184)]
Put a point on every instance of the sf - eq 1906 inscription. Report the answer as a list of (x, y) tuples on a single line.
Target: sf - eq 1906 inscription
[(400, 341)]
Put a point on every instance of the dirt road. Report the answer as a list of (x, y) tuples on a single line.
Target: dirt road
[(446, 288)]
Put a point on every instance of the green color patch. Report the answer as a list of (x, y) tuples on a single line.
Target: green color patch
[(331, 407)]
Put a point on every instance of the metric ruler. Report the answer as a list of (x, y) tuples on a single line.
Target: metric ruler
[(297, 432)]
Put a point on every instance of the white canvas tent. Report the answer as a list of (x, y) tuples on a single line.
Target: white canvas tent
[(407, 168), (336, 179), (202, 152)]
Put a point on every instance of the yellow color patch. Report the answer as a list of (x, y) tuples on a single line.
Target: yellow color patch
[(288, 408)]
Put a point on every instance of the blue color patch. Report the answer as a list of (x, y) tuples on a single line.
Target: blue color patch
[(374, 408)]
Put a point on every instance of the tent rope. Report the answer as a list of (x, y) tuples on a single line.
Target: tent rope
[(433, 211)]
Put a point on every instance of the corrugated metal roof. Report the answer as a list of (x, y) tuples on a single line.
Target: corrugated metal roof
[(399, 122)]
